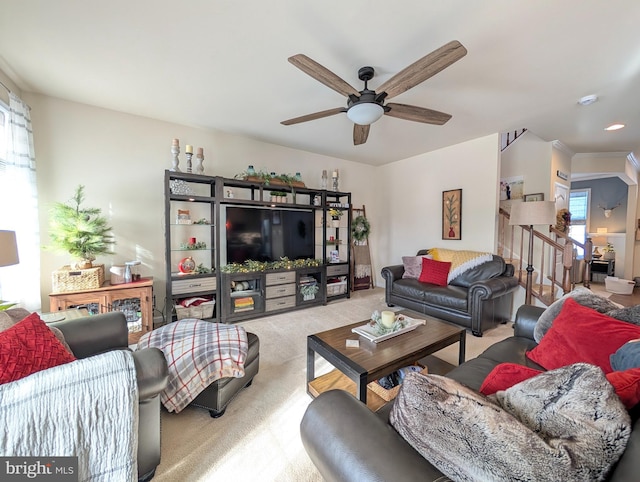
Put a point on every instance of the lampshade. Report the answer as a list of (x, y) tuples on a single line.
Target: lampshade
[(533, 212), (8, 248), (365, 113)]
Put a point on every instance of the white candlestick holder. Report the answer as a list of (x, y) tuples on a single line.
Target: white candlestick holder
[(189, 155), (199, 166), (175, 150)]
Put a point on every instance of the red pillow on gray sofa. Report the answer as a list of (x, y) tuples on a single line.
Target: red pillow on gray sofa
[(580, 334), (27, 347), (435, 272)]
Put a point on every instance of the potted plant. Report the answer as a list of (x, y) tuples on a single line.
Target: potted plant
[(81, 232), (309, 291), (335, 214), (609, 252)]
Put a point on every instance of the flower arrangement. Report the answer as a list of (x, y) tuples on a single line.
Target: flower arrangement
[(563, 220), (335, 213), (309, 289), (283, 263), (376, 324)]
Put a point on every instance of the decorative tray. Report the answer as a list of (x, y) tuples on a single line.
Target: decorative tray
[(370, 332)]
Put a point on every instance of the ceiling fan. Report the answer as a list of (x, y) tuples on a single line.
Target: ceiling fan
[(367, 106)]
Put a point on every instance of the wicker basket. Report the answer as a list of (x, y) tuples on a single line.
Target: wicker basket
[(202, 311), (65, 279), (334, 289), (388, 395)]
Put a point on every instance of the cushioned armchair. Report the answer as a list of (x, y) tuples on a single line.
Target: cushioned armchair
[(97, 334), (477, 299)]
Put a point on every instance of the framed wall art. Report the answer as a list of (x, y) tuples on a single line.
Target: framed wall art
[(539, 196), (452, 214)]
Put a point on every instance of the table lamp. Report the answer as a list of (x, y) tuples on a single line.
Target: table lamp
[(8, 248), (530, 214)]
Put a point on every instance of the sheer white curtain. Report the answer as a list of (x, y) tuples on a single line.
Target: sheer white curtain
[(19, 207)]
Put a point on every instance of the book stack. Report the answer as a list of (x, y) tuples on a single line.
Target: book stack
[(243, 304), (307, 280)]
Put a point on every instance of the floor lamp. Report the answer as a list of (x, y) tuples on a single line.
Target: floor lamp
[(8, 250), (530, 214)]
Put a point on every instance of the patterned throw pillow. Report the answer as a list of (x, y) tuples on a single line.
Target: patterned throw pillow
[(470, 437), (27, 347), (412, 266), (10, 317), (435, 272)]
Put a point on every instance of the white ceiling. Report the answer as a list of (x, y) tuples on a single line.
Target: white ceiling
[(223, 65)]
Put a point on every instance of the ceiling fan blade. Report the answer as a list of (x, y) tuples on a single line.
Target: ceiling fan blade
[(314, 116), (360, 134), (422, 69), (322, 74), (417, 114)]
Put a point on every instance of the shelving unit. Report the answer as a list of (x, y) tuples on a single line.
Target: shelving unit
[(241, 296), (195, 194)]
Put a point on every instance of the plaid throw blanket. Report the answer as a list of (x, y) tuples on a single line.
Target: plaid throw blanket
[(198, 353), (461, 261)]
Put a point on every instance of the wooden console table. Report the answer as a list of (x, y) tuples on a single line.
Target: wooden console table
[(110, 298)]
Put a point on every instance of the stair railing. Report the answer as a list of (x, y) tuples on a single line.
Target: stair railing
[(555, 254)]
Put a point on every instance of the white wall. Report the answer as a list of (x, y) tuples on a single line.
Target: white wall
[(529, 157), (121, 158), (411, 191)]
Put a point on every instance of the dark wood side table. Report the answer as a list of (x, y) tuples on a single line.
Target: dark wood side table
[(372, 361)]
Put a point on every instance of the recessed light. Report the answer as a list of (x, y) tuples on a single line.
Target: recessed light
[(588, 99), (614, 127)]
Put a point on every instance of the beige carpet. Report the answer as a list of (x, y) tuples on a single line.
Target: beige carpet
[(258, 437)]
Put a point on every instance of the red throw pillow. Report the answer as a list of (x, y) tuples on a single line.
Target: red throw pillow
[(434, 272), (27, 347), (505, 376), (581, 334), (627, 385)]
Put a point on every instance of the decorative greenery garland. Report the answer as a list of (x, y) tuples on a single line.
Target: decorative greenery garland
[(283, 263), (360, 229)]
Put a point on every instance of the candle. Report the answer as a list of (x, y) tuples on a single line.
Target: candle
[(189, 149), (176, 142), (335, 174), (192, 240), (200, 151), (388, 318)]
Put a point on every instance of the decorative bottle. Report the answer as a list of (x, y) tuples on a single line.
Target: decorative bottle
[(323, 181)]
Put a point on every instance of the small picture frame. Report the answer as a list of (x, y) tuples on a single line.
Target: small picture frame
[(334, 256), (539, 196), (452, 214)]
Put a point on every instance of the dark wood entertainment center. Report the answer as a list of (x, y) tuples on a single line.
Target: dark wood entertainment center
[(196, 236)]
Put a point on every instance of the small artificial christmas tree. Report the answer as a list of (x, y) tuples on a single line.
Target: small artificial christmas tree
[(81, 232)]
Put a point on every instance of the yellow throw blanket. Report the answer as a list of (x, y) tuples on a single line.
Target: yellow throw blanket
[(461, 261)]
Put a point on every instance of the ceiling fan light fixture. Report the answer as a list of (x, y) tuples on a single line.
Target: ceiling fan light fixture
[(365, 113)]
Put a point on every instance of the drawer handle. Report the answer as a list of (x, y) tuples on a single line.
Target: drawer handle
[(195, 285)]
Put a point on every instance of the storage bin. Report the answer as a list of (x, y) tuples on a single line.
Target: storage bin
[(65, 279), (201, 312), (619, 286), (339, 288)]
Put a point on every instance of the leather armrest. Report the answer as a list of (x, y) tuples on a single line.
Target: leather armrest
[(348, 442), (526, 319), (492, 287), (95, 334), (151, 372), (392, 273)]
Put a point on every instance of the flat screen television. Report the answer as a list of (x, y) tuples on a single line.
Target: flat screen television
[(268, 234)]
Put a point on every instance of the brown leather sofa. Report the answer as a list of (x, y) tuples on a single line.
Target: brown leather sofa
[(348, 442), (92, 335), (478, 299)]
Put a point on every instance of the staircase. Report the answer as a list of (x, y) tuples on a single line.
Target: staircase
[(508, 138), (554, 258)]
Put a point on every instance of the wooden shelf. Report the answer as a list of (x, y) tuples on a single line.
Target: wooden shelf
[(336, 380)]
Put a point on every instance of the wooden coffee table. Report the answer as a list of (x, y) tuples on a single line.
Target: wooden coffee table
[(371, 361)]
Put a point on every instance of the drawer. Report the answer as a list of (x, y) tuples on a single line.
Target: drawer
[(193, 285), (280, 303), (337, 270), (281, 278), (280, 290)]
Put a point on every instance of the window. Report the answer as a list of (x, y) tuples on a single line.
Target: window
[(579, 209)]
